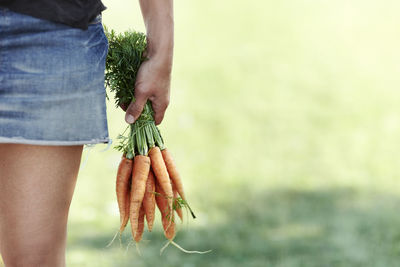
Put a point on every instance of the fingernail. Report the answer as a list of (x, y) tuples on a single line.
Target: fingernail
[(130, 119)]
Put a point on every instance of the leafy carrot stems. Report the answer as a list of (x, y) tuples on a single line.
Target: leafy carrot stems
[(147, 175)]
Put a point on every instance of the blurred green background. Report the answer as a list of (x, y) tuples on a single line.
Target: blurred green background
[(284, 122)]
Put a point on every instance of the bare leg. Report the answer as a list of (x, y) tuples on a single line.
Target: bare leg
[(36, 188)]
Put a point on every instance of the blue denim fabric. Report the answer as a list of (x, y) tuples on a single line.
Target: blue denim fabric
[(51, 82)]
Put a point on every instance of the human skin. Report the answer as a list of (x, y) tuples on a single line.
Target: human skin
[(154, 76), (37, 182), (36, 188)]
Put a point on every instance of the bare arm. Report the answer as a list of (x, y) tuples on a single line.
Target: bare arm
[(154, 76)]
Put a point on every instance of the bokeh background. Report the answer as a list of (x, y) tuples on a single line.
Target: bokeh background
[(284, 122)]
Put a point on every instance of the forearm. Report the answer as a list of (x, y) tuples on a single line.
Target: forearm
[(154, 75), (159, 21)]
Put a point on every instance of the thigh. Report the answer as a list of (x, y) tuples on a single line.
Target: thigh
[(36, 188)]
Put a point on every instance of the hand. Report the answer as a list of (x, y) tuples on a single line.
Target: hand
[(152, 83)]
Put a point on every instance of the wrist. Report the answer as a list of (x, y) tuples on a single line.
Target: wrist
[(161, 48), (161, 54), (162, 64)]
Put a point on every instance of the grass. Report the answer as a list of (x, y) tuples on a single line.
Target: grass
[(284, 121)]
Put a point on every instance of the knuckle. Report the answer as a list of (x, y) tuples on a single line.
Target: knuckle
[(140, 96), (137, 109), (142, 89), (134, 109), (160, 103)]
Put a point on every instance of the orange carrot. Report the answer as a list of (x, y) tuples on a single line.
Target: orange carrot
[(140, 172), (176, 204), (149, 200), (175, 177), (127, 201), (173, 172), (139, 232), (122, 189), (160, 170), (167, 217)]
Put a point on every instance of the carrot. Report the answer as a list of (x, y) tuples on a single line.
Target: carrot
[(139, 232), (173, 172), (127, 202), (176, 204), (175, 177), (160, 170), (140, 172), (167, 217), (149, 200), (122, 190)]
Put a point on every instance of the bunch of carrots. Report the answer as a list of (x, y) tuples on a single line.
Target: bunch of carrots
[(143, 182), (147, 175)]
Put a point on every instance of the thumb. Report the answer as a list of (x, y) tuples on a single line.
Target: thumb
[(135, 109)]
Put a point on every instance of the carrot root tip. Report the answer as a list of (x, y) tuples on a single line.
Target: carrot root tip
[(138, 249), (112, 240), (188, 251), (165, 246), (127, 247)]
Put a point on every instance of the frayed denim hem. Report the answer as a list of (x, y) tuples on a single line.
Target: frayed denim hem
[(21, 140)]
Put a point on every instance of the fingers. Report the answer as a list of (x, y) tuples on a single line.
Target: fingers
[(159, 116), (159, 106), (135, 108)]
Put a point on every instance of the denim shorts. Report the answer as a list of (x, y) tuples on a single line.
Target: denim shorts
[(51, 82)]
